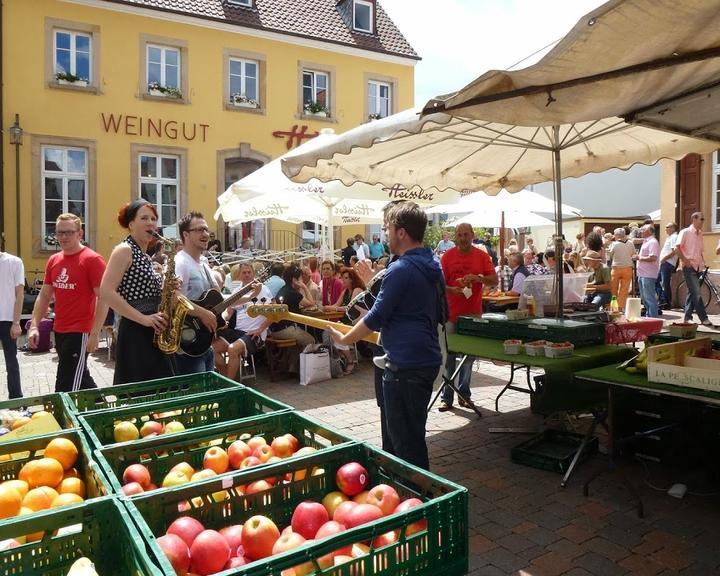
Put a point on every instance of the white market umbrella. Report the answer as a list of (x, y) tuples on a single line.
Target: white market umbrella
[(502, 219), (523, 201)]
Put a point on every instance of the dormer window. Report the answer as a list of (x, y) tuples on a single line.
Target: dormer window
[(364, 16), (243, 3)]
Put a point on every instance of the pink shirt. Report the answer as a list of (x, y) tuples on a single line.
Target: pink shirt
[(645, 269), (690, 242)]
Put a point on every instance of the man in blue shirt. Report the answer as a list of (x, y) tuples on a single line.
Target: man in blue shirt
[(275, 282), (377, 250), (409, 331)]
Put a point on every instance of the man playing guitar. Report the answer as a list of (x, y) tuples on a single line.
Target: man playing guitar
[(247, 334)]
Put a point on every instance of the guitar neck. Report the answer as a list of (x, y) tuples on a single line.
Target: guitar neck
[(373, 337), (230, 300)]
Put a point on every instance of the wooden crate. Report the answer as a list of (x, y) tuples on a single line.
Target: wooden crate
[(670, 364)]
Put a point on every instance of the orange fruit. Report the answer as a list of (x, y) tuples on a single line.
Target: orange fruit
[(35, 536), (10, 501), (72, 486), (63, 450), (39, 414), (20, 422), (19, 485), (72, 473), (39, 498), (65, 500), (26, 470), (45, 472)]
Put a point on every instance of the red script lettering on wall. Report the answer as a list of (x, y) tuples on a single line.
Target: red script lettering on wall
[(295, 135)]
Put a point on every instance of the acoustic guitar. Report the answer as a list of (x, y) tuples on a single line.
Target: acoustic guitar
[(277, 312), (195, 338)]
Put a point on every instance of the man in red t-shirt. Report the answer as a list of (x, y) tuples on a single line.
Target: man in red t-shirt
[(73, 277), (466, 270)]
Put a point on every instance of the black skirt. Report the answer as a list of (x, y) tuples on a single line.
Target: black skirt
[(137, 358)]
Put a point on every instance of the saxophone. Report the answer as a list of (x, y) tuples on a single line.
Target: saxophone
[(168, 340)]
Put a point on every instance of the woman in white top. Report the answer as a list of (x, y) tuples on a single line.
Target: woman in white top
[(621, 253)]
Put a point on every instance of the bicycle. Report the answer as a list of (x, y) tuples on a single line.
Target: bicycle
[(707, 290)]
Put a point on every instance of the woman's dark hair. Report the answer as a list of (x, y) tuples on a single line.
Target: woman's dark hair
[(292, 272), (277, 269), (355, 280), (128, 212)]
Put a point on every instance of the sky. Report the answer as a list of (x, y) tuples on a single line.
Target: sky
[(458, 40)]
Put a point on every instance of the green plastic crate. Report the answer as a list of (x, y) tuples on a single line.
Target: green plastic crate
[(14, 455), (194, 412), (163, 452), (149, 391), (552, 450), (52, 403), (497, 328), (441, 550), (100, 530)]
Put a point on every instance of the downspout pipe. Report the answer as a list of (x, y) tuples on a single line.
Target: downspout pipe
[(2, 132)]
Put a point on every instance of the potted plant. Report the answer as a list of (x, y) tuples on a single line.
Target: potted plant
[(157, 89), (372, 117), (67, 78), (242, 101), (316, 109)]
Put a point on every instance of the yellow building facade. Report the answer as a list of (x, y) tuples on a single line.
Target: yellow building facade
[(121, 99)]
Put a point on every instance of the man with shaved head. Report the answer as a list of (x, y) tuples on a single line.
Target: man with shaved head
[(690, 250), (466, 270)]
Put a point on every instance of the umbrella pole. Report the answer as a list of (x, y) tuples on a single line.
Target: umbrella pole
[(330, 233), (559, 246), (501, 242)]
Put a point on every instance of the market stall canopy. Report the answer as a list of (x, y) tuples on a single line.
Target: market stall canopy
[(441, 152), (525, 201), (624, 56), (501, 219)]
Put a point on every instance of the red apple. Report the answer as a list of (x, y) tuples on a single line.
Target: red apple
[(203, 474), (177, 552), (287, 542), (406, 505), (286, 530), (216, 459), (386, 539), (151, 427), (257, 486), (362, 514), (8, 544), (294, 442), (137, 473), (330, 528), (236, 562), (175, 478), (259, 535), (361, 498), (183, 467), (249, 462), (209, 553), (342, 510), (233, 535), (282, 446), (352, 478), (308, 517), (384, 497), (256, 441), (187, 528), (237, 452), (263, 453), (132, 488), (332, 500)]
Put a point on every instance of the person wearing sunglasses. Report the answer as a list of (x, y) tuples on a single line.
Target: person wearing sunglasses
[(690, 250)]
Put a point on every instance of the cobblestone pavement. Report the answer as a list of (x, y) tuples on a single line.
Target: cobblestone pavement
[(521, 521)]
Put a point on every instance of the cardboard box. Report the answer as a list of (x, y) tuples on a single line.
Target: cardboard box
[(672, 364)]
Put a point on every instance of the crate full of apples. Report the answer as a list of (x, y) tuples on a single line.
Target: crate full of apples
[(147, 420), (149, 391), (169, 460), (348, 510), (93, 538)]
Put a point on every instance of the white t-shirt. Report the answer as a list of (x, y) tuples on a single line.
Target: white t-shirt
[(362, 251), (668, 247), (12, 275), (196, 276), (246, 324)]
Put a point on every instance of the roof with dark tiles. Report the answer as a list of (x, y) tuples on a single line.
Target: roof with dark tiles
[(316, 19)]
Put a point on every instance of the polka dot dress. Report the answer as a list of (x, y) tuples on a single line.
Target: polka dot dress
[(140, 285)]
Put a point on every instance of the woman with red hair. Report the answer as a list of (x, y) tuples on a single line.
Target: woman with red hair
[(133, 289), (352, 286)]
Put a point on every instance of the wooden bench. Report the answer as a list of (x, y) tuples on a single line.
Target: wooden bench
[(275, 350)]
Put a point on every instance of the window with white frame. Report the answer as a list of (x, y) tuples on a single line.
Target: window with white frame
[(363, 16), (160, 185), (244, 81), (246, 3), (73, 56), (163, 66), (315, 91), (379, 99), (715, 220), (64, 182)]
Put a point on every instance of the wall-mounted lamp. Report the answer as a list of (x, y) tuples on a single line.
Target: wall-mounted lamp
[(16, 138), (16, 132)]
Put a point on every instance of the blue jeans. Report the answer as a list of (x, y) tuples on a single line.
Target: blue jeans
[(648, 296), (664, 278), (11, 362), (406, 394), (599, 298), (693, 300), (448, 394), (193, 365)]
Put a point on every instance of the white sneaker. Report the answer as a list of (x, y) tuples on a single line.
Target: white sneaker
[(379, 361)]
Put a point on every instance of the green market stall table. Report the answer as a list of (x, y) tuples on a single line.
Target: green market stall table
[(555, 390), (655, 408)]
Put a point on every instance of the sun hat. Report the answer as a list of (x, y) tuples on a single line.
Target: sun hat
[(592, 255)]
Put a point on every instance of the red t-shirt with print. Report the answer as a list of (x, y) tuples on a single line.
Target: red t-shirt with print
[(455, 265), (74, 279)]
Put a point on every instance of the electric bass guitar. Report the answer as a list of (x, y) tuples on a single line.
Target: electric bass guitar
[(195, 338), (277, 312)]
